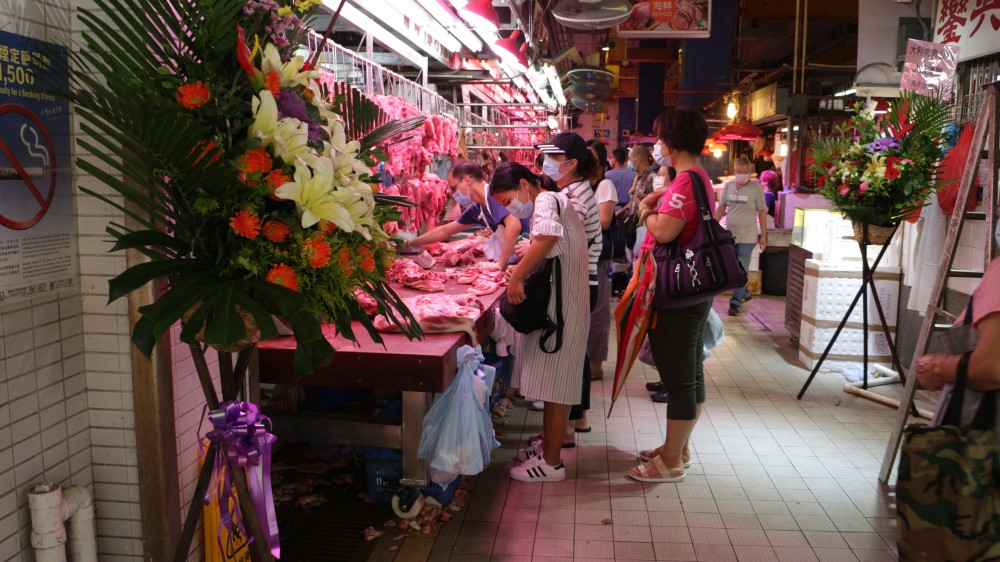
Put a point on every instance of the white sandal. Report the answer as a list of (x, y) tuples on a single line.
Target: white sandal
[(656, 472)]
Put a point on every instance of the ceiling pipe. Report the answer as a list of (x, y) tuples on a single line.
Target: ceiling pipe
[(805, 42), (795, 49)]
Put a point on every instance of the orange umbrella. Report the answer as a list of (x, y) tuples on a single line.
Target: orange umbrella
[(632, 319)]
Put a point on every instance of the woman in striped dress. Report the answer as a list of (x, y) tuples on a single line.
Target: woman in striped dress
[(554, 378), (569, 163)]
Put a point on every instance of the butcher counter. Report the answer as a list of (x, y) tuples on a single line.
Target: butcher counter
[(418, 368)]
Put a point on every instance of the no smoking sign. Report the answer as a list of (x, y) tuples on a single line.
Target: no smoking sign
[(27, 167)]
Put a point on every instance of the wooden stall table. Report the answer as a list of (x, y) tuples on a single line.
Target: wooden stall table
[(418, 368)]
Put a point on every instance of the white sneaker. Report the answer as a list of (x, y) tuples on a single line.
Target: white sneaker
[(535, 469), (534, 449)]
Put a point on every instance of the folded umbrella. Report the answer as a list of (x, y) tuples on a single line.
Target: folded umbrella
[(632, 318)]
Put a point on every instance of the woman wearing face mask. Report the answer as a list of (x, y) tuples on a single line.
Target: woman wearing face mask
[(472, 191), (570, 163), (744, 206), (638, 158), (676, 336), (553, 378)]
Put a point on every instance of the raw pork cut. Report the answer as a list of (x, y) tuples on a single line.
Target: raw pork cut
[(484, 286), (437, 314), (409, 274)]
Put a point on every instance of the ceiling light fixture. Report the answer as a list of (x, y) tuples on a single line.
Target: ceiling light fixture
[(481, 15), (448, 20), (509, 52), (731, 109)]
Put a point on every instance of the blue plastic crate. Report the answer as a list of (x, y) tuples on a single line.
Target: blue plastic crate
[(384, 468)]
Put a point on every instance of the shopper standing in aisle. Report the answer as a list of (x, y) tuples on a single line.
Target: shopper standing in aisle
[(771, 185), (676, 336), (640, 160), (557, 232), (472, 191), (744, 206), (606, 197), (570, 163), (621, 175)]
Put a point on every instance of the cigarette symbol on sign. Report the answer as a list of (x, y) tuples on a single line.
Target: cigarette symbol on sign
[(17, 173)]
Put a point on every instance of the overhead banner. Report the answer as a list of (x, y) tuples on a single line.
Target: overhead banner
[(929, 69), (668, 18), (972, 25), (37, 224)]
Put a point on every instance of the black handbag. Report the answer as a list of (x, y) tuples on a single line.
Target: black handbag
[(688, 274), (532, 314)]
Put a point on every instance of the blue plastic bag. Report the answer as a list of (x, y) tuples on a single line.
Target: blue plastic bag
[(458, 434), (714, 330)]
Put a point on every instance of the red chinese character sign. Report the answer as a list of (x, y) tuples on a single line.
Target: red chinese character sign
[(668, 18), (37, 224), (929, 69), (973, 25)]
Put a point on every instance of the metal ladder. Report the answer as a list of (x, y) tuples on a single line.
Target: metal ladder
[(985, 146)]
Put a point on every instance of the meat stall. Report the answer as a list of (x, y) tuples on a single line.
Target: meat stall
[(418, 368)]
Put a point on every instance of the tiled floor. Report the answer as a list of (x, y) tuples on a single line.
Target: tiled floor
[(774, 478)]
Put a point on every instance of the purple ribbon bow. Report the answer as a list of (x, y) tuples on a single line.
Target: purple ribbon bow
[(242, 435)]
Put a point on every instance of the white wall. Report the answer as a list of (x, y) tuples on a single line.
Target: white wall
[(587, 122), (65, 374), (878, 23)]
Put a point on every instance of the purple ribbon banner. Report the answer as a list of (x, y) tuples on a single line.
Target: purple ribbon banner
[(243, 435)]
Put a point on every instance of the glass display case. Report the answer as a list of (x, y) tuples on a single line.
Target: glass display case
[(829, 237)]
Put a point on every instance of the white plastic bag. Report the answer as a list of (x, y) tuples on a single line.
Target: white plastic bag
[(458, 434)]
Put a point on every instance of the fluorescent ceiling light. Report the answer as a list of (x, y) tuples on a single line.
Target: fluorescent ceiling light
[(354, 16), (391, 13), (846, 92), (452, 24)]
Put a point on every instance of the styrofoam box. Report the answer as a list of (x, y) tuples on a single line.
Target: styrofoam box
[(829, 289), (849, 346)]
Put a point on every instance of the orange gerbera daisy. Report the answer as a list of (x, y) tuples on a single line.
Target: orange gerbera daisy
[(317, 251), (283, 275), (367, 259), (272, 82), (252, 164), (327, 227), (344, 261), (245, 224), (276, 179), (194, 95), (275, 231)]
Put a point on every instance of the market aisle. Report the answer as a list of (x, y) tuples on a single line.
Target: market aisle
[(773, 478)]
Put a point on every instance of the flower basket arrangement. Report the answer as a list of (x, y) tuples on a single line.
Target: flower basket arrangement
[(241, 186), (879, 169)]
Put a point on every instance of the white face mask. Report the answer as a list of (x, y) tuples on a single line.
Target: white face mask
[(742, 179), (550, 168), (659, 158), (521, 209)]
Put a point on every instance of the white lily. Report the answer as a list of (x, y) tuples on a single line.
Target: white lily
[(314, 196), (291, 138), (290, 72), (265, 112)]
